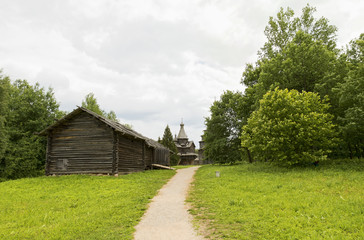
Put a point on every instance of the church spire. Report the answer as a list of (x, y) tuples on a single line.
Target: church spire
[(182, 133)]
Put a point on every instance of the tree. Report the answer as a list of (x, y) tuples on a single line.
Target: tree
[(30, 110), (300, 65), (290, 128), (282, 31), (351, 99), (168, 142), (90, 103), (223, 128), (4, 98)]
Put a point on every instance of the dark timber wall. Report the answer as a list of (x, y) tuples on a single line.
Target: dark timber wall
[(131, 155), (84, 142), (149, 157), (81, 145)]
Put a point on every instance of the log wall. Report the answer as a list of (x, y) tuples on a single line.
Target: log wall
[(81, 145), (149, 155), (131, 155)]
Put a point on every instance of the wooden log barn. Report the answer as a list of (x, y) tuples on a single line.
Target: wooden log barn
[(84, 142)]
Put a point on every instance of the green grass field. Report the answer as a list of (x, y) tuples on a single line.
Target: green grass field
[(258, 201), (78, 206)]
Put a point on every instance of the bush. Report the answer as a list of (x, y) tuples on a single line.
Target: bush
[(289, 128)]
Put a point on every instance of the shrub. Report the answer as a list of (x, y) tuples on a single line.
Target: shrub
[(289, 128)]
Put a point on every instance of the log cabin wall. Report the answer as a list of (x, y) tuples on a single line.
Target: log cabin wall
[(149, 157), (81, 145), (162, 156), (131, 155)]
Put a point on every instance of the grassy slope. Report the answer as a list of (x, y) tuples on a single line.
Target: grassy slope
[(256, 201), (76, 207)]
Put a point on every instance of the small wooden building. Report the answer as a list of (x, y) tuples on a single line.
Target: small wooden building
[(84, 142)]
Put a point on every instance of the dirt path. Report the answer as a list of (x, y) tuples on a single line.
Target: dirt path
[(167, 216)]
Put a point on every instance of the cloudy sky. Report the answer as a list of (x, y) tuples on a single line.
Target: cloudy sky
[(152, 62)]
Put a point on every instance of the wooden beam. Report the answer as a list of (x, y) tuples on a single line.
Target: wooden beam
[(48, 153), (115, 155)]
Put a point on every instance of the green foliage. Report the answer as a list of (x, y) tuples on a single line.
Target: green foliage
[(299, 54), (289, 128), (223, 128), (283, 29), (30, 109), (77, 206), (90, 103), (301, 64), (168, 142), (4, 98), (351, 99), (129, 126), (260, 201)]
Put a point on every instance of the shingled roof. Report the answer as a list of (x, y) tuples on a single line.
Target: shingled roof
[(182, 134), (115, 125)]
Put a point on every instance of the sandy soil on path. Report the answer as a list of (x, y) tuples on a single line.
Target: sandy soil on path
[(167, 216)]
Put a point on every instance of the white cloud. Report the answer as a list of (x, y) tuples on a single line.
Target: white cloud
[(153, 62)]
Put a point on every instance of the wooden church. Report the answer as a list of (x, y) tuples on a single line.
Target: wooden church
[(186, 149)]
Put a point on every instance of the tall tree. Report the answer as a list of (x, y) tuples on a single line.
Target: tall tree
[(91, 103), (4, 98), (300, 53), (351, 99), (282, 30), (223, 128), (30, 110), (168, 142)]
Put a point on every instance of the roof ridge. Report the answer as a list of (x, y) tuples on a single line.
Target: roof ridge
[(119, 127)]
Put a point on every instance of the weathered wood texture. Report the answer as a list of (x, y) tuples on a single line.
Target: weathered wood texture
[(84, 142), (162, 167), (130, 155), (149, 157), (161, 156), (81, 145)]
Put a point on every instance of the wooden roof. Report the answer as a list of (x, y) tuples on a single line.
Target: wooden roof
[(182, 134), (115, 125)]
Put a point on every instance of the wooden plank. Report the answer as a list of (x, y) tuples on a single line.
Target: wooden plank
[(162, 166), (48, 155)]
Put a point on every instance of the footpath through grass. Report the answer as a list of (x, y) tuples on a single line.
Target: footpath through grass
[(78, 206), (258, 201)]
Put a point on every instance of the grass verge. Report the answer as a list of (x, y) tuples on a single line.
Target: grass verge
[(259, 201), (77, 206)]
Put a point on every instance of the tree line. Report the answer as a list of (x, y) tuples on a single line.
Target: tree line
[(25, 109), (303, 101)]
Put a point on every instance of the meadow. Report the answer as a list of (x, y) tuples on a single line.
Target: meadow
[(260, 201), (77, 206)]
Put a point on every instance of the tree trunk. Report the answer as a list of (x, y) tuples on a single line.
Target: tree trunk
[(249, 155)]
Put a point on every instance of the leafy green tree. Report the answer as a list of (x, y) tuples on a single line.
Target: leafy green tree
[(283, 29), (91, 103), (4, 98), (290, 128), (30, 110), (168, 142), (300, 53), (300, 65), (223, 128), (351, 99), (297, 54)]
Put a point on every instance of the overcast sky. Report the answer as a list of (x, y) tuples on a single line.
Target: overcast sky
[(152, 62)]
